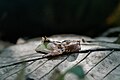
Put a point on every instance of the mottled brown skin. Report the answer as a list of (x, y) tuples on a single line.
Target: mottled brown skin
[(71, 46), (57, 48)]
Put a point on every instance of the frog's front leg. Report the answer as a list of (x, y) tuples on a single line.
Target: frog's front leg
[(54, 53)]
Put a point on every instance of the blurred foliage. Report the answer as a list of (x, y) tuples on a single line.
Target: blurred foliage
[(77, 70), (114, 18), (118, 40), (56, 75), (21, 73), (47, 17)]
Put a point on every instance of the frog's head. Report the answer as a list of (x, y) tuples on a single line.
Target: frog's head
[(45, 40), (42, 47)]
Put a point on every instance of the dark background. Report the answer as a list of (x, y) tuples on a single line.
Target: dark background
[(36, 18)]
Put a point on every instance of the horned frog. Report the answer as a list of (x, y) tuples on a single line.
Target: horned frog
[(53, 48)]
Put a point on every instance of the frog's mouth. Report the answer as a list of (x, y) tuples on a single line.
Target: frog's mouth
[(38, 50), (41, 52)]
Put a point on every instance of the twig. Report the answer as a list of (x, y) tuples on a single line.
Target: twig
[(99, 41), (20, 62), (51, 56)]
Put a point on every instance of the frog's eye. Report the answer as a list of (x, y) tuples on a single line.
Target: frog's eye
[(45, 39)]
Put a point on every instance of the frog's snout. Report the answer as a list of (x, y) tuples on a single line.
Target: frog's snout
[(38, 50)]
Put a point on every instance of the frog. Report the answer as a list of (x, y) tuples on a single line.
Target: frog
[(53, 48)]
